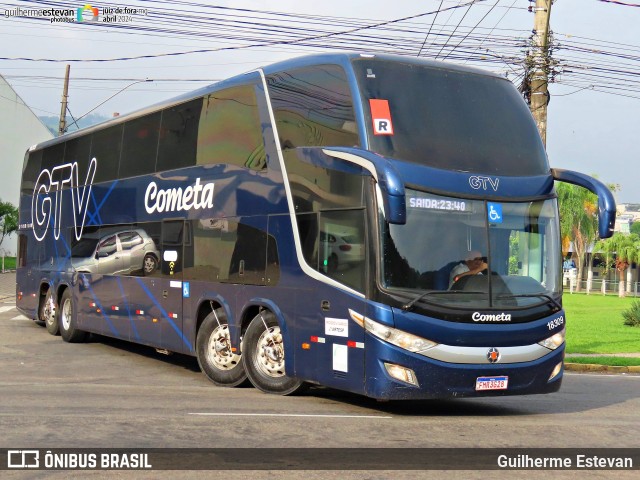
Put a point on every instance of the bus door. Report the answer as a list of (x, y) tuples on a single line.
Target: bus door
[(335, 356), (169, 288), (336, 248)]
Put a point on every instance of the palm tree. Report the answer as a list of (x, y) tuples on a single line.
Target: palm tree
[(578, 222), (626, 249)]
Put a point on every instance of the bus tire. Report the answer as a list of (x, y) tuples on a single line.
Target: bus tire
[(213, 350), (263, 357), (48, 313), (66, 319)]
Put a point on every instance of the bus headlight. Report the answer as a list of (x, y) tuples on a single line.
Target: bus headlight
[(555, 372), (554, 341), (401, 373), (396, 337)]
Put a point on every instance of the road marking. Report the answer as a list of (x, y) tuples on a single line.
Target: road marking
[(6, 309), (20, 317), (287, 415)]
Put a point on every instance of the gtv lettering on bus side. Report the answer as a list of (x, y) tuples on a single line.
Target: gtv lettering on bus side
[(47, 198)]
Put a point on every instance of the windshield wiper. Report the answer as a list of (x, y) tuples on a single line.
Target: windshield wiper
[(408, 306), (533, 295)]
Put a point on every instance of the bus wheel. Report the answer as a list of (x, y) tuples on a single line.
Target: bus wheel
[(213, 348), (263, 356), (48, 313), (67, 322)]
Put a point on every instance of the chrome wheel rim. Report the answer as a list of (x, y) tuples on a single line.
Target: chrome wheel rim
[(49, 310), (219, 353), (270, 353), (65, 315)]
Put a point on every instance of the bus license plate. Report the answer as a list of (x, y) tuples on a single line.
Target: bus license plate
[(492, 383)]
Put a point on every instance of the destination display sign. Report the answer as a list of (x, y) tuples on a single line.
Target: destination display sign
[(439, 203)]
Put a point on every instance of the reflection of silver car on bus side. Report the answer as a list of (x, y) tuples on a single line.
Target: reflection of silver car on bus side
[(341, 250), (123, 252)]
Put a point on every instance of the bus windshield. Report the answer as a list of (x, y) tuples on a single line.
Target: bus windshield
[(450, 119), (463, 253)]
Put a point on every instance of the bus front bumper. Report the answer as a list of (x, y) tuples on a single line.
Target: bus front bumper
[(420, 377)]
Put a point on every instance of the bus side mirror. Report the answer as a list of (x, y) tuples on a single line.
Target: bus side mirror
[(606, 202)]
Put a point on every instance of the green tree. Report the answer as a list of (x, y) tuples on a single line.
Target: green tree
[(635, 228), (626, 249), (578, 222), (8, 219)]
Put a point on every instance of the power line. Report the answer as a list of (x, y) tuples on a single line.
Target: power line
[(316, 36), (430, 26), (469, 33), (620, 3), (455, 29)]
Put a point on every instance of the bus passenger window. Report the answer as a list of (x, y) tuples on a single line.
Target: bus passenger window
[(78, 151), (53, 156), (249, 257), (342, 246), (179, 136), (30, 171), (230, 131), (140, 146), (105, 148), (333, 243), (313, 107), (22, 250)]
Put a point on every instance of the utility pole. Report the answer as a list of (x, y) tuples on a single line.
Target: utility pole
[(540, 65), (62, 126)]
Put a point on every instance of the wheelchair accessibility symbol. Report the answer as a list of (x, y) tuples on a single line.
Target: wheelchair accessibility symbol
[(494, 212)]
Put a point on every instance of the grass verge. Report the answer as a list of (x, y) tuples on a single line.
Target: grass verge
[(611, 361), (595, 325), (9, 263)]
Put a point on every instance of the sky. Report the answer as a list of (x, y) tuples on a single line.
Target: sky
[(593, 114)]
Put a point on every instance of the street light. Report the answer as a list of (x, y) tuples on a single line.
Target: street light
[(75, 121)]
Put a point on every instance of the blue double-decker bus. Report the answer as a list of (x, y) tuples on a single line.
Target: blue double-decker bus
[(377, 224)]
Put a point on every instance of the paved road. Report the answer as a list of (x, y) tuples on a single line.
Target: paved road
[(108, 393)]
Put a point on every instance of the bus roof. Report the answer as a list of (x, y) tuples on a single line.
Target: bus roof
[(343, 59)]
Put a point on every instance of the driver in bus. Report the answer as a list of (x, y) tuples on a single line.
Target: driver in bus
[(473, 264)]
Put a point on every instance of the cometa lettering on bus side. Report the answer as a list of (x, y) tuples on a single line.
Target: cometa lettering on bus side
[(176, 199)]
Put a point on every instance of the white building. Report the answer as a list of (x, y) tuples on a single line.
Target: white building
[(20, 128), (627, 215)]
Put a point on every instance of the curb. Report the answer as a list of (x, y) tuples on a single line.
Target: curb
[(591, 367)]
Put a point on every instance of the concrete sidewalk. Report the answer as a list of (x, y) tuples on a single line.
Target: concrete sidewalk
[(7, 286)]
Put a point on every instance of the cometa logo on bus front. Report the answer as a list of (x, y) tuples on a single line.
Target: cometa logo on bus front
[(175, 199), (497, 317)]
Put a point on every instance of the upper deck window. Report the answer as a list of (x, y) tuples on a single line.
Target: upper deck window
[(140, 146), (229, 131), (313, 107), (450, 119)]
